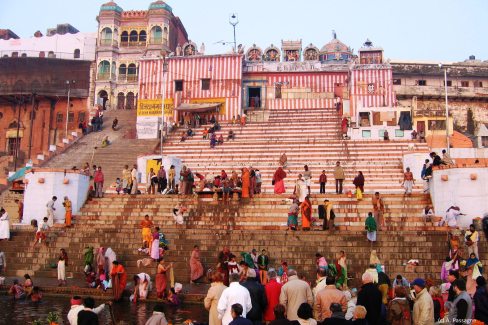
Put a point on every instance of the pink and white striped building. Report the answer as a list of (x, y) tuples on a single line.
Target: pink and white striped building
[(209, 79)]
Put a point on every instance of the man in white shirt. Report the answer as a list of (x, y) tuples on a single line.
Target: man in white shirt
[(472, 238), (321, 282), (77, 306), (451, 217), (135, 184), (254, 256), (234, 294), (50, 211)]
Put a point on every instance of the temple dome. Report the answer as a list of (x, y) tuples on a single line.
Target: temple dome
[(158, 5), (111, 6), (335, 46)]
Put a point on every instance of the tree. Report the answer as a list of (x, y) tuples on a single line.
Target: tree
[(470, 126)]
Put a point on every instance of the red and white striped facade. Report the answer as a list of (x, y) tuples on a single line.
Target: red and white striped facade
[(303, 89), (224, 72), (365, 85), (372, 86)]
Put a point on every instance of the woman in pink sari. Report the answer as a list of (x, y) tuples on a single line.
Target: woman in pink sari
[(196, 267), (278, 180), (154, 252)]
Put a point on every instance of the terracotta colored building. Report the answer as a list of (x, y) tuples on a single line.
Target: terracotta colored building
[(124, 37), (33, 103)]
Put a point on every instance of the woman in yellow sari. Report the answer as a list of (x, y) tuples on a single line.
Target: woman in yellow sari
[(67, 207), (306, 210), (146, 226)]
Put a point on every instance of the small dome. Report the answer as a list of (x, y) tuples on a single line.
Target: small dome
[(111, 6), (158, 5), (335, 46)]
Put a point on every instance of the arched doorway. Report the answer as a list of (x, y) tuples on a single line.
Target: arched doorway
[(130, 101), (102, 98), (120, 101)]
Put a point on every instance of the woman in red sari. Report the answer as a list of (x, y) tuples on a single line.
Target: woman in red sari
[(119, 280), (278, 179), (196, 267), (306, 210), (246, 183), (161, 278)]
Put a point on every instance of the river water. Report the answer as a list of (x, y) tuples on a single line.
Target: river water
[(24, 312)]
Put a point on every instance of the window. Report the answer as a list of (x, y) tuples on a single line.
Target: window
[(51, 54), (133, 36), (142, 36), (484, 141), (399, 133), (23, 55), (42, 54), (59, 118), (81, 117), (156, 35), (178, 85), (71, 117), (449, 83), (397, 81), (76, 54), (366, 133), (13, 146), (437, 125), (205, 84), (15, 54), (124, 37), (464, 83), (477, 83), (422, 82)]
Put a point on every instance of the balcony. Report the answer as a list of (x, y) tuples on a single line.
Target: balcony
[(133, 44), (104, 76), (437, 92), (155, 41), (130, 78)]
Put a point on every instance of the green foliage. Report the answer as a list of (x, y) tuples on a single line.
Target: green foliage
[(52, 317), (470, 127), (37, 322)]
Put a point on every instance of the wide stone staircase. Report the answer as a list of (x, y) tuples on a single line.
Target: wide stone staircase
[(123, 150), (309, 137), (260, 223)]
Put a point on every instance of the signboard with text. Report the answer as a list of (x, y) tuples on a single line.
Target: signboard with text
[(152, 107)]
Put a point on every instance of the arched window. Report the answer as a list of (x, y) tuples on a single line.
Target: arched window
[(133, 37), (130, 101), (156, 35), (132, 72), (104, 70), (120, 101), (51, 54), (165, 36), (124, 38), (76, 54), (142, 36), (23, 55), (106, 36), (122, 70), (42, 54)]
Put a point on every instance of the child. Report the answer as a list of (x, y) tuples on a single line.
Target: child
[(17, 290), (36, 295), (370, 225), (323, 181), (232, 266), (41, 232), (173, 298), (62, 263), (233, 120), (118, 185)]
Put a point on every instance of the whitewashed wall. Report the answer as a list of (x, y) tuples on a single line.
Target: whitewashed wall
[(167, 162), (470, 195), (415, 161), (36, 195)]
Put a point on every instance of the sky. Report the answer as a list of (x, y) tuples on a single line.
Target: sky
[(422, 30)]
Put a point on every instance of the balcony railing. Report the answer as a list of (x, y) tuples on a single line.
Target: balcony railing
[(127, 78), (104, 76), (439, 91), (155, 41), (133, 44)]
